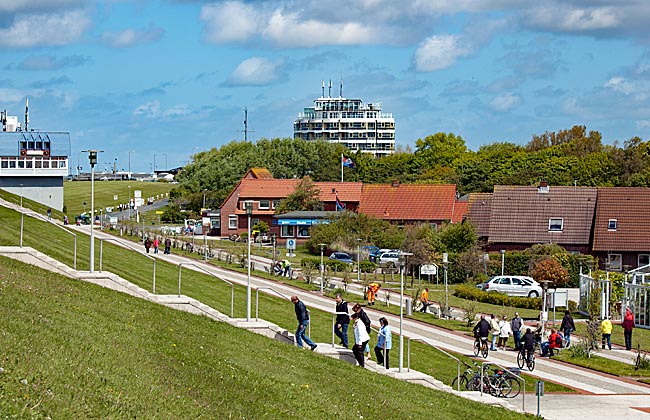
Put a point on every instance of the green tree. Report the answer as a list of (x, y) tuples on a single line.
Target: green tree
[(457, 237), (306, 197)]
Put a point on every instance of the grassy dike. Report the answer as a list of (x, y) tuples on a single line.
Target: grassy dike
[(71, 349)]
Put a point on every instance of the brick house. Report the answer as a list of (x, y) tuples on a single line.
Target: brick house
[(621, 233)]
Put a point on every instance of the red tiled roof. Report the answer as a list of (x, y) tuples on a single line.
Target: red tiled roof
[(629, 206), (520, 215), (280, 188), (460, 210), (408, 201), (480, 205)]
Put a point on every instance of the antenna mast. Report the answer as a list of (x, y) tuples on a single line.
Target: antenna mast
[(246, 130)]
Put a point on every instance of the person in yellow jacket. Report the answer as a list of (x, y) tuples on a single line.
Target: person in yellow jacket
[(606, 329), (373, 288)]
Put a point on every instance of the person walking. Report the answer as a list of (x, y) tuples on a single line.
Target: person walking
[(168, 246), (504, 332), (384, 343), (628, 326), (366, 321), (424, 300), (342, 320), (606, 330), (303, 322), (373, 288), (361, 338), (147, 244), (156, 244), (567, 327), (515, 326), (49, 214), (494, 329)]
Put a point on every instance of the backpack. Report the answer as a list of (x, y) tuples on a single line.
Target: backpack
[(558, 340)]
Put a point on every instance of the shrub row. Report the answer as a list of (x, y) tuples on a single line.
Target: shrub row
[(472, 293), (314, 263)]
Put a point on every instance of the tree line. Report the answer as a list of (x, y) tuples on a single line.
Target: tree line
[(567, 157)]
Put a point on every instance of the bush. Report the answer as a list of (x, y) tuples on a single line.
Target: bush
[(313, 263), (336, 266), (367, 267), (494, 298)]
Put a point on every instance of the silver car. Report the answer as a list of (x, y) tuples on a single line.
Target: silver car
[(512, 286)]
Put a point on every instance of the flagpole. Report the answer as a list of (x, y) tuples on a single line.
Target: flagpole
[(341, 167)]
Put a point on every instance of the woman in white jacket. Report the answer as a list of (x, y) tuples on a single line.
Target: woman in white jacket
[(361, 338), (504, 332)]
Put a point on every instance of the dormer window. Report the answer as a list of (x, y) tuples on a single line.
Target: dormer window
[(611, 225), (555, 225)]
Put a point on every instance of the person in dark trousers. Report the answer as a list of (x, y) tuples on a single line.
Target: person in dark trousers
[(482, 329), (303, 322), (515, 326), (424, 300), (361, 338), (528, 343), (147, 244), (342, 320), (363, 316), (628, 326), (567, 327), (384, 343), (168, 246)]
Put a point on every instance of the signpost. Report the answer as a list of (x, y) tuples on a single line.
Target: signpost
[(429, 269), (291, 246)]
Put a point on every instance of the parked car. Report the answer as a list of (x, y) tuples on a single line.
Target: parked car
[(369, 249), (342, 257), (512, 286), (390, 259), (374, 256)]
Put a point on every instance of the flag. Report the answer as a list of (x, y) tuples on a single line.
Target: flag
[(347, 162), (339, 204)]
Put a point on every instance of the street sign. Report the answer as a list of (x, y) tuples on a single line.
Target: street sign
[(114, 196), (291, 244), (429, 269)]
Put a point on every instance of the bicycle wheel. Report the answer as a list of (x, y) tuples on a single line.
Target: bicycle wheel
[(520, 360), (463, 383), (474, 384), (503, 386), (531, 363), (512, 386), (477, 347), (484, 350)]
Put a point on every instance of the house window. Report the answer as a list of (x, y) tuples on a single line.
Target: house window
[(287, 231), (303, 232), (643, 259), (232, 221), (615, 262), (215, 221), (246, 203), (265, 205), (555, 225), (276, 203), (611, 225)]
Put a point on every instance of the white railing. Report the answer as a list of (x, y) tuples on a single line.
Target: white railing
[(232, 286)]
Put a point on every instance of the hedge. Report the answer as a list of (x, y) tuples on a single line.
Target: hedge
[(472, 293)]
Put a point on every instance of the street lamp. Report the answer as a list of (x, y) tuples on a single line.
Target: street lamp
[(503, 260), (403, 259), (129, 202), (445, 264), (92, 157), (22, 215), (115, 170), (358, 260), (154, 162), (130, 151), (204, 191), (322, 266), (249, 212)]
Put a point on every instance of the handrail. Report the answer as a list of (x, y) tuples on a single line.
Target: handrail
[(408, 357), (257, 303), (126, 245), (523, 398), (232, 286), (43, 218), (334, 322)]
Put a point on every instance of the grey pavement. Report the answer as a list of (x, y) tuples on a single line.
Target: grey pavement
[(598, 395)]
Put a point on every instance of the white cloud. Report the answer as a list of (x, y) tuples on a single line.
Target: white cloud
[(231, 21), (131, 37), (439, 52), (505, 102), (44, 30), (619, 84), (148, 110), (256, 71), (564, 18), (22, 5), (180, 110)]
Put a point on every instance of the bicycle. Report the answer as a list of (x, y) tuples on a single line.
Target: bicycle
[(501, 383), (465, 376), (528, 361), (481, 346)]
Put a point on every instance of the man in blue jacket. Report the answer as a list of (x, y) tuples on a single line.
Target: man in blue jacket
[(303, 322)]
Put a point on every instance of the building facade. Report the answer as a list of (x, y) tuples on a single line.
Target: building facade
[(358, 126), (33, 164)]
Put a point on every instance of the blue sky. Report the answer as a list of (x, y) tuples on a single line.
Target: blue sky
[(167, 78)]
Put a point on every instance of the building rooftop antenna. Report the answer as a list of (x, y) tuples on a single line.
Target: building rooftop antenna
[(341, 88), (246, 130), (329, 94), (26, 114)]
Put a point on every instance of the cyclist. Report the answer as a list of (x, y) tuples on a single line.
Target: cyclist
[(528, 343), (482, 330)]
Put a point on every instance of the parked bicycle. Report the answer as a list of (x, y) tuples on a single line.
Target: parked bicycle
[(465, 376), (501, 383)]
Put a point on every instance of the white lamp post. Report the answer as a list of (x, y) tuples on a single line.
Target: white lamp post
[(22, 215), (322, 266), (249, 211), (358, 260), (92, 157), (403, 258), (503, 260), (445, 264)]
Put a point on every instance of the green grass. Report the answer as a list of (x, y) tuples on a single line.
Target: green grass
[(71, 349), (76, 192), (639, 336), (602, 364)]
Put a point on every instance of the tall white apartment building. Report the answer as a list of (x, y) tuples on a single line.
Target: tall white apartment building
[(350, 122)]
